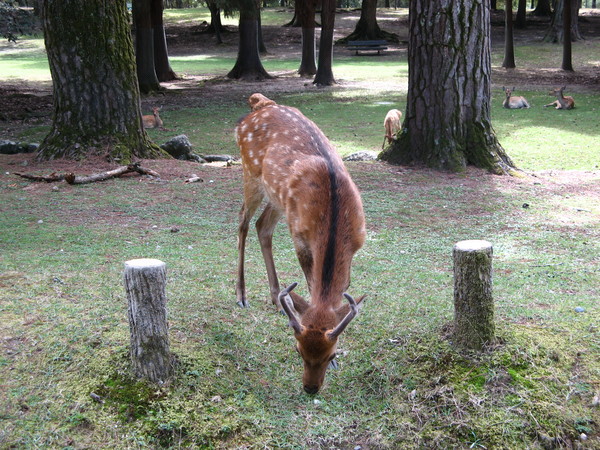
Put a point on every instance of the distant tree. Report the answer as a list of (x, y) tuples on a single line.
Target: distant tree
[(161, 54), (521, 19), (543, 8), (567, 62), (367, 27), (248, 65), (556, 30), (324, 76), (96, 96), (215, 26), (447, 123), (144, 46), (306, 15), (509, 41)]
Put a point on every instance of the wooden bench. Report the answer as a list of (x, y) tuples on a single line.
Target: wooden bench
[(377, 46)]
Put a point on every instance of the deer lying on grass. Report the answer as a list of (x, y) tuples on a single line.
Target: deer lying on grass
[(513, 102), (561, 101), (391, 124), (288, 160), (153, 121)]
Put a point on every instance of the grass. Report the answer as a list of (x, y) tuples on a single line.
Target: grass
[(64, 331)]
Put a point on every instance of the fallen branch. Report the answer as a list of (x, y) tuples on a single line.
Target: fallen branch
[(71, 178)]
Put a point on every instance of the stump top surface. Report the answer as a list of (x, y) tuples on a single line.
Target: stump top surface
[(472, 246), (144, 263)]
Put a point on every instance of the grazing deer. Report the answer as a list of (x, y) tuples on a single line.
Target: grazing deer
[(288, 160), (513, 102), (153, 121), (561, 101), (391, 124)]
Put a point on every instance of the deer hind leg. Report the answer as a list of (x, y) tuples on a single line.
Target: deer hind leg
[(252, 199), (265, 225)]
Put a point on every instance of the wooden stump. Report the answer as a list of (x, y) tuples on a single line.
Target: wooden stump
[(473, 301), (145, 281)]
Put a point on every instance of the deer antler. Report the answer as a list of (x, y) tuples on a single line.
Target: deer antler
[(289, 309), (333, 334)]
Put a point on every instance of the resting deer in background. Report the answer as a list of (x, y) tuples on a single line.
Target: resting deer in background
[(561, 101), (288, 160), (391, 124), (153, 121), (513, 102)]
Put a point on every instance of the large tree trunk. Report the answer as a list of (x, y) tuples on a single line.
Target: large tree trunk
[(144, 46), (161, 54), (556, 31), (306, 12), (96, 96), (324, 76), (447, 123), (509, 42), (248, 65), (367, 27)]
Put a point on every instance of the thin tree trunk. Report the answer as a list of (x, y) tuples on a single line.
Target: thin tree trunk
[(324, 76), (521, 20), (161, 54), (96, 96), (473, 302), (567, 61), (306, 13), (447, 123), (144, 46), (509, 47), (145, 281)]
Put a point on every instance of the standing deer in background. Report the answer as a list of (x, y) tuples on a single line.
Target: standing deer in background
[(288, 160), (561, 101), (153, 121), (391, 124), (513, 102)]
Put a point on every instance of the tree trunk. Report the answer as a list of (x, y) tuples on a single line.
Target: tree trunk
[(215, 20), (306, 12), (509, 42), (248, 65), (543, 8), (262, 48), (521, 20), (96, 97), (144, 46), (567, 62), (324, 76), (447, 123), (367, 28), (473, 302), (556, 30), (161, 54), (145, 281)]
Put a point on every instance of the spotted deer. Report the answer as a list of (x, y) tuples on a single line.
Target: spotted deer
[(513, 101), (391, 123), (561, 101), (153, 121), (289, 161)]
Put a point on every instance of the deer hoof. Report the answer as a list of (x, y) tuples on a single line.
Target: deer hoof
[(243, 303)]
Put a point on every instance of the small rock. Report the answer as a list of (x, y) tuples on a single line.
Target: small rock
[(596, 401), (216, 399), (583, 437), (174, 230), (579, 309), (361, 156), (40, 221), (317, 402), (214, 158), (525, 205)]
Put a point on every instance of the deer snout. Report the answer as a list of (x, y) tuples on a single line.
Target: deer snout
[(311, 388)]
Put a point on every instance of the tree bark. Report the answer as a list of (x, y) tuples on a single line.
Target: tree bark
[(96, 96), (509, 42), (543, 8), (473, 302), (306, 13), (447, 123), (324, 76), (145, 281), (556, 31), (367, 27), (567, 61), (248, 65), (163, 69), (521, 19), (144, 46), (215, 20)]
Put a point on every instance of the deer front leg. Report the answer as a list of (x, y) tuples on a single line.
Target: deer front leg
[(246, 213), (265, 225)]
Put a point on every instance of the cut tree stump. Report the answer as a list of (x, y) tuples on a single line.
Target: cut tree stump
[(145, 281), (473, 302)]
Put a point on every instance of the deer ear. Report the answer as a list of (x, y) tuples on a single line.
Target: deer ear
[(300, 305)]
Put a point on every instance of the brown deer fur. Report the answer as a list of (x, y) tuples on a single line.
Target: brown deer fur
[(289, 161)]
